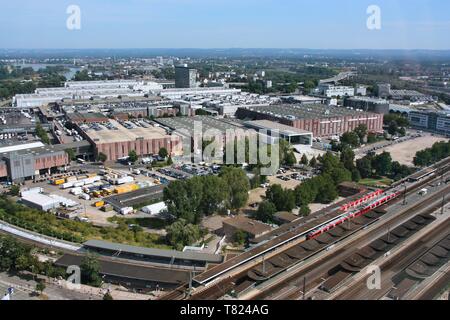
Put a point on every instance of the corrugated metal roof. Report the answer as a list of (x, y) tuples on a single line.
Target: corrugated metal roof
[(193, 256)]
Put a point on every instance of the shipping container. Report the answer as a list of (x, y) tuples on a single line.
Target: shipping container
[(85, 196), (71, 179), (67, 185), (58, 182), (99, 204), (107, 208), (76, 191), (126, 211), (78, 184)]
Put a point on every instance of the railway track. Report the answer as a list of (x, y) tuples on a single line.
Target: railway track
[(393, 271), (219, 288), (314, 272)]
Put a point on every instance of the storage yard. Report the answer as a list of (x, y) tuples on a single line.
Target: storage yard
[(96, 197)]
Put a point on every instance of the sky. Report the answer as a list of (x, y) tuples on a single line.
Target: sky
[(318, 24)]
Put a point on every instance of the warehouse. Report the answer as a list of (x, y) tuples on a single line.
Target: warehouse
[(321, 120), (116, 139), (135, 198), (23, 161), (292, 135), (376, 105), (34, 198)]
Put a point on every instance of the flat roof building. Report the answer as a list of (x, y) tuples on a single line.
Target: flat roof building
[(292, 135), (321, 120), (24, 161), (376, 105), (252, 227), (430, 120), (116, 139)]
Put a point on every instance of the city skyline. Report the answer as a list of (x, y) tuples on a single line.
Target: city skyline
[(405, 25)]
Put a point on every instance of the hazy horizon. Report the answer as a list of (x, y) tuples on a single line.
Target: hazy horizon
[(225, 24)]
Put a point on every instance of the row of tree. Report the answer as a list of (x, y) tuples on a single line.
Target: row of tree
[(372, 166), (439, 151)]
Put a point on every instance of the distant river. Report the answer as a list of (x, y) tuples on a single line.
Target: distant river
[(36, 66)]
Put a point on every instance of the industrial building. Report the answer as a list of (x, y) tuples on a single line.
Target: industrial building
[(438, 122), (292, 135), (35, 198), (330, 90), (14, 121), (368, 104), (322, 121), (84, 91), (185, 77), (24, 161), (183, 92), (116, 139)]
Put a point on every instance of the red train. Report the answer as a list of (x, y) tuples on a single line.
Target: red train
[(352, 214)]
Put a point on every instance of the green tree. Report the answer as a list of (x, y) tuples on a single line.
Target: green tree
[(183, 200), (133, 157), (163, 153), (423, 158), (181, 233), (71, 154), (364, 166), (215, 192), (40, 287), (266, 211), (327, 191), (14, 190), (372, 138), (290, 159), (102, 157), (340, 175), (238, 186), (393, 128), (304, 160), (351, 139), (305, 211), (169, 161), (313, 162), (90, 270), (361, 131), (42, 134), (240, 237), (108, 296), (348, 158), (382, 164), (356, 176), (283, 199)]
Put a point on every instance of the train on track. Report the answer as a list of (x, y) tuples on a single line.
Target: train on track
[(377, 199)]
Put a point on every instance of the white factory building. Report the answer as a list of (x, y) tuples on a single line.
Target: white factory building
[(330, 90), (85, 90)]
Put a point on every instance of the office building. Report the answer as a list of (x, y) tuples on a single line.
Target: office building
[(433, 121), (185, 77)]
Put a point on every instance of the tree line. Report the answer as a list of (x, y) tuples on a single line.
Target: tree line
[(439, 151)]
